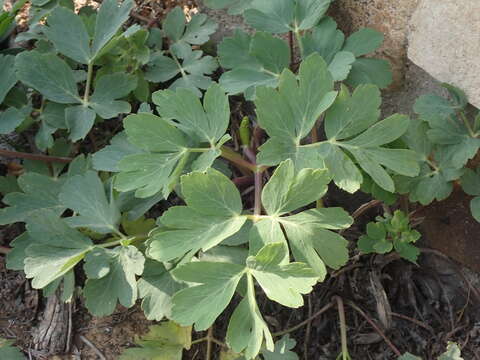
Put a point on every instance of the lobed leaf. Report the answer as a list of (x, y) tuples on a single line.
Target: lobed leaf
[(247, 330), (110, 18), (40, 194), (68, 33), (287, 191), (49, 75), (111, 277), (56, 248), (283, 283), (157, 287), (85, 195), (255, 60), (201, 304), (212, 215)]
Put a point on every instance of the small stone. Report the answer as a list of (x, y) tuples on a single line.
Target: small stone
[(445, 40)]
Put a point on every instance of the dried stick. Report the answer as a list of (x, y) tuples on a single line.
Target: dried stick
[(375, 327), (93, 347)]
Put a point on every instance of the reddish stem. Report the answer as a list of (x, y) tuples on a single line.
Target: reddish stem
[(4, 250), (243, 181), (40, 157)]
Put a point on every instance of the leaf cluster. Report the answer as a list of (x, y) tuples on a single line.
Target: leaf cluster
[(388, 233), (173, 146)]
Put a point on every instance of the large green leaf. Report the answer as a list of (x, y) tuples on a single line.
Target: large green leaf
[(108, 89), (264, 232), (212, 214), (285, 15), (169, 149), (353, 119), (205, 124), (149, 173), (255, 60), (448, 129), (68, 34), (437, 173), (10, 119), (16, 256), (283, 283), (156, 288), (191, 65), (348, 117), (363, 41), (214, 284), (56, 248), (370, 71), (85, 195), (287, 191), (111, 277), (109, 19), (49, 75), (247, 330), (7, 74), (289, 113), (40, 194), (79, 120), (107, 158), (197, 31), (51, 119), (311, 241), (345, 56)]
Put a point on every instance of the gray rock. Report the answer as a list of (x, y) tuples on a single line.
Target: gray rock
[(444, 40)]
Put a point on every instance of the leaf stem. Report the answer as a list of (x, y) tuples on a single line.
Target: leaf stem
[(208, 354), (257, 210), (198, 150), (198, 341), (110, 244), (122, 241), (237, 159), (432, 165), (343, 328), (467, 124), (298, 37), (177, 62), (120, 234), (212, 339), (89, 83)]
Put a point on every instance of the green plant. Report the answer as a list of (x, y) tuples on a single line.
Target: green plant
[(453, 353), (90, 211), (388, 233), (445, 139), (9, 352)]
